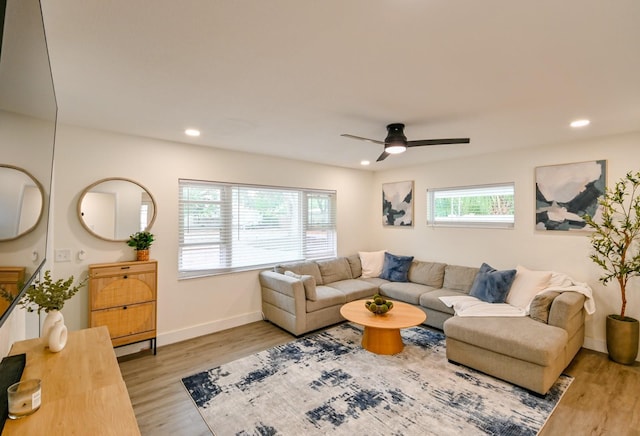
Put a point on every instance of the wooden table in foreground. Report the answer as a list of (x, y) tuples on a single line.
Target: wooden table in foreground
[(83, 392), (382, 332)]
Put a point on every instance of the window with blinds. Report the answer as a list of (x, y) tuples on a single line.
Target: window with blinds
[(475, 206), (231, 227)]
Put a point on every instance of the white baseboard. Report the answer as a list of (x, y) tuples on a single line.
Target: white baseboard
[(191, 332), (224, 324), (595, 344), (174, 336), (599, 345)]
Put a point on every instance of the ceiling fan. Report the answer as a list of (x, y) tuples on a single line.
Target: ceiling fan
[(396, 142)]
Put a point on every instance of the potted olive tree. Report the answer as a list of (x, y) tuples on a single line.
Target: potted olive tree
[(616, 244), (141, 241)]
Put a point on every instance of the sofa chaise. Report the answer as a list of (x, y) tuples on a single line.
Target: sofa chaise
[(532, 353)]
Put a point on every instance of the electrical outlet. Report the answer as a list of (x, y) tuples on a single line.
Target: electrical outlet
[(63, 255)]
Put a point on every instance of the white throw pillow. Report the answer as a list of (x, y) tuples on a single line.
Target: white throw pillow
[(526, 286), (372, 262)]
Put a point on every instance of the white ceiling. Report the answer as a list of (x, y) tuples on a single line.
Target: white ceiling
[(287, 77)]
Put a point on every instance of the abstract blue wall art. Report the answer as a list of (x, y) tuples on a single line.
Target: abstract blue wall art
[(566, 193), (397, 204)]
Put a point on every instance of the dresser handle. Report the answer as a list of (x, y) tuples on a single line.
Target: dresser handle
[(125, 277), (124, 307), (125, 267)]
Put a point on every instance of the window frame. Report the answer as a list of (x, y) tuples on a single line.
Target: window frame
[(229, 218), (470, 221)]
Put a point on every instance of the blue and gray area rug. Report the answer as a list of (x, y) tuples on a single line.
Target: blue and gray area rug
[(326, 383)]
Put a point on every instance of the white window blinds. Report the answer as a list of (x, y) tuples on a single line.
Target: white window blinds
[(229, 227), (474, 206)]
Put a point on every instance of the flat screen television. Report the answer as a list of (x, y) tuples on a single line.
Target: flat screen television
[(28, 112)]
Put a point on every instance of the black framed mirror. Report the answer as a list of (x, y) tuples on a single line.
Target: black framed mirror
[(28, 112), (114, 208)]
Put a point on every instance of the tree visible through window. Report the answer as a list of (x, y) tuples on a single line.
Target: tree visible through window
[(491, 205)]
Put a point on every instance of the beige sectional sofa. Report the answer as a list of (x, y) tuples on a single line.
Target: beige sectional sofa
[(302, 297)]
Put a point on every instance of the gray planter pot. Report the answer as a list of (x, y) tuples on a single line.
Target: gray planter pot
[(622, 339)]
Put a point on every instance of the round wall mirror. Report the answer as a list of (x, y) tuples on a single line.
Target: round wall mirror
[(113, 209), (21, 202)]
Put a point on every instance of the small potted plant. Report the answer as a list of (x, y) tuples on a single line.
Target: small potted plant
[(616, 249), (141, 241)]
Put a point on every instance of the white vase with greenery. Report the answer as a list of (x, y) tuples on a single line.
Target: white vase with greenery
[(50, 296)]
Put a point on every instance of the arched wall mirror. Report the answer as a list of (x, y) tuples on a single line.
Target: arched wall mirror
[(21, 202), (112, 209)]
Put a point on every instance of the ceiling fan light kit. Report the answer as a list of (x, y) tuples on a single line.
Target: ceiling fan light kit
[(395, 148), (396, 142)]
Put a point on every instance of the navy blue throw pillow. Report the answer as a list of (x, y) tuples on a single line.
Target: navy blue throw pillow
[(396, 268), (491, 285)]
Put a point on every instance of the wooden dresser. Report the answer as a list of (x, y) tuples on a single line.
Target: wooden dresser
[(123, 296), (83, 392), (10, 277)]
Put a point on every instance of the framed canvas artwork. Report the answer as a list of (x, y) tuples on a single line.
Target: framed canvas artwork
[(397, 204), (566, 193)]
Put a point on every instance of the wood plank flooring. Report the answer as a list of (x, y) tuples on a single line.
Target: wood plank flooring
[(604, 398)]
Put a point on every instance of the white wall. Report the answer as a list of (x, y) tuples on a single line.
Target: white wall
[(198, 306), (186, 308), (523, 245)]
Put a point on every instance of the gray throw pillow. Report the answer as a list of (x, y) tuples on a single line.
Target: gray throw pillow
[(541, 305), (309, 283)]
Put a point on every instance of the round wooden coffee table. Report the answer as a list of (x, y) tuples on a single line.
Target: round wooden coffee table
[(382, 332)]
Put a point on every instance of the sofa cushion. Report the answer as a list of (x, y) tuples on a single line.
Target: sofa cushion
[(491, 285), (355, 265), (521, 338), (427, 273), (404, 291), (376, 281), (371, 262), (526, 285), (541, 305), (354, 289), (334, 270), (431, 300), (459, 278), (395, 268), (327, 297), (302, 268), (309, 284)]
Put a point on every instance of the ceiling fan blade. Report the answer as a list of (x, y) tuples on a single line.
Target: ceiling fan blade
[(383, 156), (421, 142), (346, 135)]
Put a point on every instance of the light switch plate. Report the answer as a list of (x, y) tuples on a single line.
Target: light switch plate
[(63, 255)]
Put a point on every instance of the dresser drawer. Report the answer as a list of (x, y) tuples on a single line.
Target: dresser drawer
[(120, 269), (122, 289), (11, 275), (126, 320)]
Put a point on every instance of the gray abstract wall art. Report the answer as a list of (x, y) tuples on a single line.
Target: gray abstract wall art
[(397, 204), (566, 193)]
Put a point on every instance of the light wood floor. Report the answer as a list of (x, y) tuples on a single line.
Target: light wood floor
[(604, 398)]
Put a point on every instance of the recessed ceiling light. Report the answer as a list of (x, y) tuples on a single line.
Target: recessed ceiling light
[(580, 123), (192, 132), (364, 162)]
